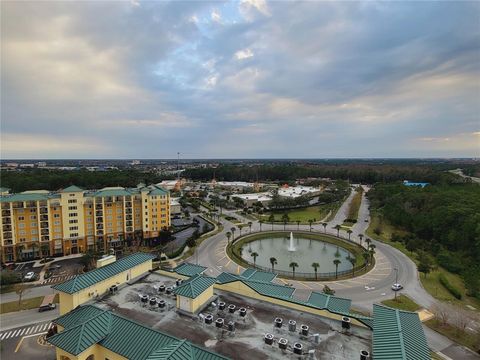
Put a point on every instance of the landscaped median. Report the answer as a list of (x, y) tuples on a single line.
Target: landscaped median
[(362, 264)]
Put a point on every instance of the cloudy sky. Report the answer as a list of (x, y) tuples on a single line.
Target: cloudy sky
[(247, 79)]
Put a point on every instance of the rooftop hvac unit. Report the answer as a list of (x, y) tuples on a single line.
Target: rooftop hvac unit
[(231, 308), (168, 290), (268, 339), (282, 343), (345, 322), (243, 312), (231, 326), (292, 325), (219, 322), (221, 305), (297, 348), (144, 298), (364, 355), (153, 301), (161, 303), (178, 282), (161, 288), (304, 330), (278, 322), (208, 319)]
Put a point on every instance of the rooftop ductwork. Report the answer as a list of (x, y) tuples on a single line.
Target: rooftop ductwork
[(345, 322), (364, 355)]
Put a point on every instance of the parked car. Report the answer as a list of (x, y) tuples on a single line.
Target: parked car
[(29, 276), (47, 303), (396, 287)]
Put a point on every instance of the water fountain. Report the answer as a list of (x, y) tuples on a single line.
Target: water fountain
[(291, 247)]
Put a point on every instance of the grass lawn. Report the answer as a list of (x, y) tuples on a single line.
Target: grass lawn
[(402, 302), (468, 339), (317, 212), (431, 282), (26, 304)]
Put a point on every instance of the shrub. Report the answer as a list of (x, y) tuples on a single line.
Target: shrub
[(452, 289), (8, 277)]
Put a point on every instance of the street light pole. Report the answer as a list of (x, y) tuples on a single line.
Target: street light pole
[(396, 281)]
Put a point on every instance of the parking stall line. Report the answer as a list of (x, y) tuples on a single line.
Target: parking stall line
[(3, 335), (21, 333)]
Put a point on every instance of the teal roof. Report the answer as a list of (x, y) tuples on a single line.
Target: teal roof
[(188, 269), (72, 188), (112, 192), (158, 191), (329, 302), (194, 286), (226, 277), (268, 289), (114, 332), (24, 197), (398, 335), (4, 189), (257, 275), (90, 278)]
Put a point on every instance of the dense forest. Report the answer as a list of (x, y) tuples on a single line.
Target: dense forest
[(365, 173), (55, 180), (441, 220)]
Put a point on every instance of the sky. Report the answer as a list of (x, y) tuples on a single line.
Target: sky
[(239, 79)]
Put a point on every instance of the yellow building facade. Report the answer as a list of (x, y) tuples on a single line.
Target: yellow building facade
[(74, 220)]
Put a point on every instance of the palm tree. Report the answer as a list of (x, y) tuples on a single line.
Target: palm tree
[(366, 256), (233, 229), (240, 227), (371, 253), (324, 227), (273, 261), (285, 220), (293, 265), (352, 260), (315, 266), (337, 227), (271, 219), (229, 235), (260, 223), (336, 262), (349, 232), (298, 224), (310, 221), (250, 226), (45, 252), (360, 236), (254, 255), (34, 248), (19, 250), (368, 241)]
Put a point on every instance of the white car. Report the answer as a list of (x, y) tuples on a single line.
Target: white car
[(396, 287), (29, 276)]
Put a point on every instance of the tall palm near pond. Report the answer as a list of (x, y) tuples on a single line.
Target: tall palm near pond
[(233, 229), (240, 227), (360, 236), (254, 255), (349, 232), (229, 235), (250, 226), (260, 222), (337, 227), (315, 266), (293, 265), (310, 221), (352, 260), (298, 224), (324, 227), (274, 262)]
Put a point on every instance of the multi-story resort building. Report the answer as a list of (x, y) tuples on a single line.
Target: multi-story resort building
[(73, 220)]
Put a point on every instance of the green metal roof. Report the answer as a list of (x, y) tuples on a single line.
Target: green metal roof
[(24, 197), (257, 275), (72, 188), (188, 269), (194, 286), (272, 290), (398, 335), (4, 189), (331, 303), (112, 192), (158, 191), (226, 277), (82, 313), (90, 278), (114, 332)]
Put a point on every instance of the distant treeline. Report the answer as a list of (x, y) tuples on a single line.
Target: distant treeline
[(54, 180), (441, 220), (364, 173)]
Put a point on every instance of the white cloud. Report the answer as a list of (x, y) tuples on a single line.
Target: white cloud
[(243, 54), (216, 16), (250, 8)]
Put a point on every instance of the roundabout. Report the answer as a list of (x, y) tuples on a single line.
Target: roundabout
[(301, 255)]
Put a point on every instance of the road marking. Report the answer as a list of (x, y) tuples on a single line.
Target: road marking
[(3, 335), (238, 269), (36, 328), (443, 356), (307, 286), (21, 333), (15, 333), (228, 263)]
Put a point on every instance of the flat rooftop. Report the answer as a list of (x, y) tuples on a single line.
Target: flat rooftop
[(247, 341)]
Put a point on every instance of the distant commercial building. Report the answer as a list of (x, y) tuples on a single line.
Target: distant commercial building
[(73, 220), (250, 199), (175, 207), (236, 185), (4, 191), (297, 191), (175, 185)]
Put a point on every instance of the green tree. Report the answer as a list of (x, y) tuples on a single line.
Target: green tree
[(293, 265), (360, 236), (336, 262), (273, 261), (324, 227), (254, 255), (366, 256), (285, 219), (229, 235), (240, 227), (315, 266), (233, 229), (260, 222), (368, 241), (250, 226), (425, 263), (271, 219), (298, 224), (310, 222)]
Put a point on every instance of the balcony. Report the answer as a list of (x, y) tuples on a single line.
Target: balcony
[(100, 232), (43, 217), (98, 213), (5, 206), (7, 228), (99, 227), (44, 225), (8, 242), (18, 205), (44, 232), (6, 213), (7, 220), (129, 217), (119, 199), (108, 199), (45, 238), (7, 235), (31, 204), (128, 204), (129, 229), (43, 210), (98, 207), (129, 223), (99, 219)]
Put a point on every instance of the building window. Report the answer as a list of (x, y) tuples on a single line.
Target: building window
[(72, 214), (33, 217), (34, 231), (56, 215), (21, 218), (33, 224), (72, 208), (56, 222)]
